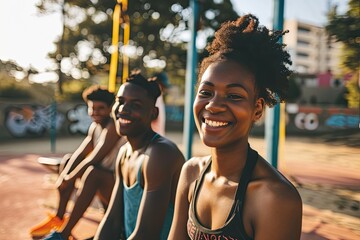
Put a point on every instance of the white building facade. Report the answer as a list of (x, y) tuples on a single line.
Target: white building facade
[(311, 50)]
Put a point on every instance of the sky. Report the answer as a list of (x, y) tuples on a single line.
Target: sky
[(27, 37)]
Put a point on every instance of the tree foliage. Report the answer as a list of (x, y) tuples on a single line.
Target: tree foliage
[(346, 29), (158, 33), (353, 92)]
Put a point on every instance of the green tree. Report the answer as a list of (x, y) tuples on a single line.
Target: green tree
[(353, 92), (158, 33), (15, 89), (346, 29)]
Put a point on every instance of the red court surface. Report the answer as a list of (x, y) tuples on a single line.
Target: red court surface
[(326, 175)]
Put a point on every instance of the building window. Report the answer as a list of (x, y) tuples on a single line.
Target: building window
[(302, 54), (303, 29), (303, 42), (302, 69)]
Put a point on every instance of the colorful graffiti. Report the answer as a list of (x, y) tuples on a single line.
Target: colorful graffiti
[(34, 120), (79, 119), (342, 121), (299, 118), (27, 120), (313, 118)]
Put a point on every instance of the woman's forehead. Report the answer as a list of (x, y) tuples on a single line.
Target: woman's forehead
[(227, 71)]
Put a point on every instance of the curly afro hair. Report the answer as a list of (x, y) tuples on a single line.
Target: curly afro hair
[(97, 93), (256, 48)]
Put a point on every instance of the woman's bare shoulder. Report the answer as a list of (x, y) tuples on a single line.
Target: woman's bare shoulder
[(197, 164), (273, 201), (272, 187), (193, 167)]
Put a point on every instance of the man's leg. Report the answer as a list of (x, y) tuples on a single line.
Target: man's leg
[(64, 194), (94, 181), (64, 197), (54, 222)]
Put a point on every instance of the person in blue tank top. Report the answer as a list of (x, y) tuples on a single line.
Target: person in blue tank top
[(234, 193), (148, 168)]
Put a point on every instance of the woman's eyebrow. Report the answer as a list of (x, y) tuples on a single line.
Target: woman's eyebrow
[(207, 83), (237, 85)]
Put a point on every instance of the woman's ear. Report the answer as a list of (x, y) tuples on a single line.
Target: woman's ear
[(259, 108)]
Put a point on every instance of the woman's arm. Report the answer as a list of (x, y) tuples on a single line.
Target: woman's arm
[(278, 212), (189, 173)]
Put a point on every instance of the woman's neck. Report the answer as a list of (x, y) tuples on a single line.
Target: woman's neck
[(230, 160)]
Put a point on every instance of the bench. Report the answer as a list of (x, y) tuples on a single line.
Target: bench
[(51, 163)]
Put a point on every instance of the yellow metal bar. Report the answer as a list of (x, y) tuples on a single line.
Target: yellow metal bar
[(282, 134), (126, 42), (120, 9), (124, 4), (115, 48)]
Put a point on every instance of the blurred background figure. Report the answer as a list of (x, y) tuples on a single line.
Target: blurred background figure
[(159, 124), (93, 161)]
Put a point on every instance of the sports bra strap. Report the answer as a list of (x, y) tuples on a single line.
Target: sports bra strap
[(252, 157)]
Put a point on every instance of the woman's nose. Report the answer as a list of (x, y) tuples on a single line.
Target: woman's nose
[(216, 104)]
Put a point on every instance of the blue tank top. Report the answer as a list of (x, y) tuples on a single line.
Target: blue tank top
[(132, 197), (234, 226)]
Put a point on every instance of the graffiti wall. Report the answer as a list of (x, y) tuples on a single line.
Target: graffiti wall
[(79, 120), (24, 120), (300, 119), (34, 120), (313, 119)]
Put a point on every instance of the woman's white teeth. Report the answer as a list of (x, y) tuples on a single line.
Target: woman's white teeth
[(215, 123)]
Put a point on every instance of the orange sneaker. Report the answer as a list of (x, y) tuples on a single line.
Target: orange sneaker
[(45, 227)]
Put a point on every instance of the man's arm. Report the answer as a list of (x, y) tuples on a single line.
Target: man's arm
[(160, 171), (112, 225), (79, 154), (108, 140)]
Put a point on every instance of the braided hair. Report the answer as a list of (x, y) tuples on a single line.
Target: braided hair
[(257, 49)]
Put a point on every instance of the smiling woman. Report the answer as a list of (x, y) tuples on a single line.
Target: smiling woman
[(234, 193), (229, 88)]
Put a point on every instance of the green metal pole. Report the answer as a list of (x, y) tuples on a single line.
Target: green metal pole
[(272, 121), (190, 80), (53, 126)]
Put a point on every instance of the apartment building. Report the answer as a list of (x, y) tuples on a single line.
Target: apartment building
[(311, 50)]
